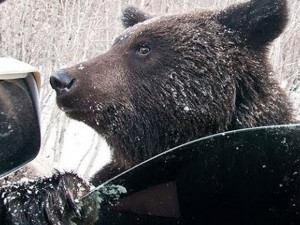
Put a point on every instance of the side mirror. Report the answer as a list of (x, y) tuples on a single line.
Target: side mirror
[(19, 114)]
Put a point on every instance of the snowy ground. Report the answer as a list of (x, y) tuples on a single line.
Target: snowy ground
[(83, 151)]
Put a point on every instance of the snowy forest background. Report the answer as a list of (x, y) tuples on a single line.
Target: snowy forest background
[(52, 34)]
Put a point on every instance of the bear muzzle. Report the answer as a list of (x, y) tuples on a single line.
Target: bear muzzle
[(62, 82)]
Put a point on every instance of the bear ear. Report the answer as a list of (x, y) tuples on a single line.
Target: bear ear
[(258, 22), (132, 16)]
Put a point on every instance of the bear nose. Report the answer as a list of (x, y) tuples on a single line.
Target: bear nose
[(62, 82)]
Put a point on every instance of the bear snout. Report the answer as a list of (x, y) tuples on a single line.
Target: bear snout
[(62, 82)]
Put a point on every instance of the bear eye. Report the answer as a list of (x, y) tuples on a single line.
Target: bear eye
[(143, 50)]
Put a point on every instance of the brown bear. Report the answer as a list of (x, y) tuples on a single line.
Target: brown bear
[(174, 78)]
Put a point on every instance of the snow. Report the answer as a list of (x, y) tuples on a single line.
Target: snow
[(82, 146), (186, 108), (9, 131), (80, 67)]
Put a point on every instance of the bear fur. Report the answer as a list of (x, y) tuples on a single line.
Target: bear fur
[(52, 200), (171, 79)]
